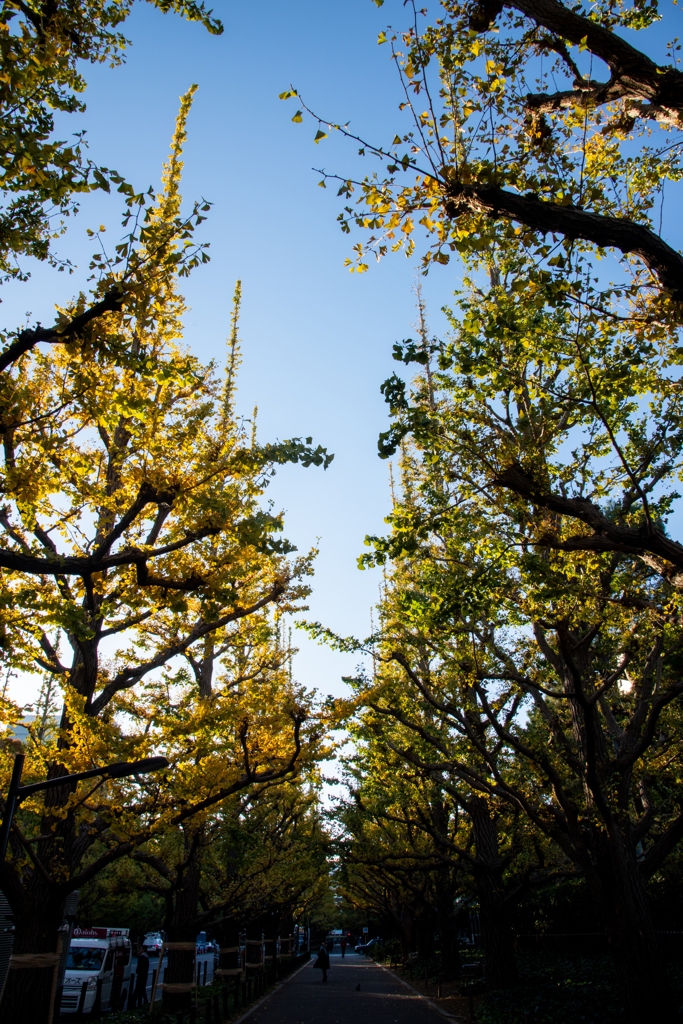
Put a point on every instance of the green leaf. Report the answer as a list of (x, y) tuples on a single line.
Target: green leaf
[(320, 135)]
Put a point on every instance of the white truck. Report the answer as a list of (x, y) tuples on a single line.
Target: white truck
[(97, 970)]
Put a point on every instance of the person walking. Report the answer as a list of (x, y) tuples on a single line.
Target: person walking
[(343, 945), (141, 975), (323, 961)]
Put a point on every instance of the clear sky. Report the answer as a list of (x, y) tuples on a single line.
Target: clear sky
[(316, 339)]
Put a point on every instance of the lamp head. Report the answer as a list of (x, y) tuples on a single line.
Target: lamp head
[(143, 767)]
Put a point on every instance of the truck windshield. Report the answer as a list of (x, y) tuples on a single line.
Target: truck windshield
[(84, 958)]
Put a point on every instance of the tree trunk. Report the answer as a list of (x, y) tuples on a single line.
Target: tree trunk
[(497, 934), (182, 928), (38, 910), (28, 991), (271, 929), (619, 889), (496, 926), (425, 936), (450, 957), (230, 964), (254, 950), (407, 931)]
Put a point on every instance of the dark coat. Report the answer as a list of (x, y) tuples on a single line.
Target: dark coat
[(323, 961), (142, 971)]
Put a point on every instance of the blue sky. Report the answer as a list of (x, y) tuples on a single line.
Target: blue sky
[(316, 339)]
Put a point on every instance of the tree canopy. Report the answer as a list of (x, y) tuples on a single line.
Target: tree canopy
[(44, 48)]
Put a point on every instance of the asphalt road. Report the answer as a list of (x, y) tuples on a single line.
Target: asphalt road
[(380, 1000)]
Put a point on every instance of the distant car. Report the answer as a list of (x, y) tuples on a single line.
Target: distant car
[(364, 947), (153, 942)]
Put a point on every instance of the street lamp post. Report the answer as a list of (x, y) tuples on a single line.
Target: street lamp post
[(18, 793)]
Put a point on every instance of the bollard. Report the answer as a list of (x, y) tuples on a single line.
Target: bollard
[(81, 1001), (217, 1006), (97, 1005), (225, 996), (471, 998), (207, 1012)]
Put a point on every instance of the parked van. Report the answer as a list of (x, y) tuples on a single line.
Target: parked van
[(97, 970)]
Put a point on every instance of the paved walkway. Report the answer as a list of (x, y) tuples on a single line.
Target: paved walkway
[(381, 1000)]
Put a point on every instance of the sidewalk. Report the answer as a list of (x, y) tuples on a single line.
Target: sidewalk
[(381, 1000)]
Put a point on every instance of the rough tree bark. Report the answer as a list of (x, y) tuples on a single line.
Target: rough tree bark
[(181, 927), (618, 888), (494, 904)]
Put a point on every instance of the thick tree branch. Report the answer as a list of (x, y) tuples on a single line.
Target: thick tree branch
[(129, 676), (572, 222), (129, 846), (76, 565), (633, 73), (61, 333), (608, 535), (596, 94), (660, 850)]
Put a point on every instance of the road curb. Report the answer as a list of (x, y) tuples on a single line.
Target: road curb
[(426, 999), (264, 999)]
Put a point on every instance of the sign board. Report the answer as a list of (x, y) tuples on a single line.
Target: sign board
[(365, 930), (100, 933)]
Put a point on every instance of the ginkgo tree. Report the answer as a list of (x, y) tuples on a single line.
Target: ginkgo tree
[(132, 529), (252, 737), (555, 659), (544, 143), (544, 151), (44, 47), (395, 839), (442, 838), (259, 860)]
